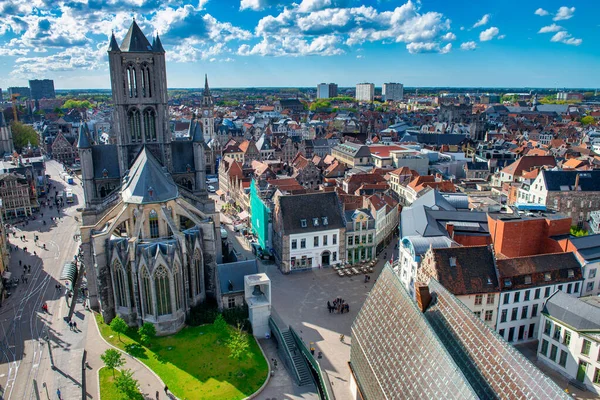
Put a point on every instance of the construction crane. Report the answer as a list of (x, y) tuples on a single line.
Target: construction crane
[(13, 99)]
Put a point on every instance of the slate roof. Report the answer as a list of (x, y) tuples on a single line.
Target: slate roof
[(183, 154), (135, 40), (556, 181), (299, 207), (356, 150), (399, 352), (113, 46), (557, 265), (477, 166), (473, 271), (84, 139), (588, 247), (434, 138), (105, 157), (231, 275), (578, 314), (147, 181)]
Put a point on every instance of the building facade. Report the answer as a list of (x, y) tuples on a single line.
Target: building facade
[(392, 91), (365, 92), (326, 90), (42, 89), (360, 236)]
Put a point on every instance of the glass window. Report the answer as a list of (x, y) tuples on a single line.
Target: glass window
[(488, 315), (324, 240), (350, 241), (302, 243), (585, 347), (557, 330), (534, 309), (147, 292), (517, 297), (576, 290), (563, 358), (303, 223), (334, 238), (569, 288), (560, 287), (370, 238), (547, 292), (597, 376), (120, 284), (524, 312), (544, 348), (163, 291), (548, 327), (153, 221), (506, 298), (501, 332), (294, 244), (231, 302), (527, 295), (592, 273), (478, 299), (316, 241), (514, 314), (177, 283), (478, 314), (199, 271), (490, 298), (567, 337), (536, 295), (334, 256), (589, 287), (503, 316)]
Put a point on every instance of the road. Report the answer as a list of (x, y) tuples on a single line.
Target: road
[(25, 367)]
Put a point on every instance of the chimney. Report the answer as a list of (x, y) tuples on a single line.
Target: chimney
[(576, 182), (422, 295), (438, 177), (450, 229)]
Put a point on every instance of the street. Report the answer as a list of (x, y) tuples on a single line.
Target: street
[(26, 330)]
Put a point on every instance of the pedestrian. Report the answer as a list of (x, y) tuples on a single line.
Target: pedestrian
[(74, 325), (166, 389), (157, 395), (329, 306), (70, 325), (20, 263), (58, 394)]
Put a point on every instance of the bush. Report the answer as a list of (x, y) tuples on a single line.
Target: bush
[(147, 332), (220, 324)]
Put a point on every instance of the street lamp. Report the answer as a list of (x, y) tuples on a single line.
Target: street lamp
[(50, 352)]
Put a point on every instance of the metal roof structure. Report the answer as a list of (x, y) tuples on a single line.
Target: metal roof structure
[(148, 182)]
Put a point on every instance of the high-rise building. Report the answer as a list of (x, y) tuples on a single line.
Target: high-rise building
[(22, 91), (326, 90), (1, 97), (42, 89), (392, 91), (365, 91)]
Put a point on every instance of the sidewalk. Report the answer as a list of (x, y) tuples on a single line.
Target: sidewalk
[(149, 383)]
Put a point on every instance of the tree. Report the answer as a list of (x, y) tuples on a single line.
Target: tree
[(79, 104), (588, 120), (22, 135), (127, 385), (578, 232), (112, 359), (238, 343), (220, 324), (147, 332), (118, 325)]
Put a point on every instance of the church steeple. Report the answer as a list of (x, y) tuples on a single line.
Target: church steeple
[(157, 46), (207, 100), (113, 46)]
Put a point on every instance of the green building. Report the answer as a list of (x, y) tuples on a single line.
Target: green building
[(259, 217)]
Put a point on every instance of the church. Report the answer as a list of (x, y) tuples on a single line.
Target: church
[(150, 234)]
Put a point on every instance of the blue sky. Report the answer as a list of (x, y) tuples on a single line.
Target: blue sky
[(242, 43)]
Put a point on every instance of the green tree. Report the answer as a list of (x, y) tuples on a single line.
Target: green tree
[(23, 134), (220, 324), (147, 332), (127, 385), (238, 343), (118, 325), (578, 232), (588, 120), (112, 359), (70, 104)]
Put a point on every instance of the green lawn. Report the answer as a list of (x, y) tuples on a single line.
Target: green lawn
[(108, 391), (195, 362)]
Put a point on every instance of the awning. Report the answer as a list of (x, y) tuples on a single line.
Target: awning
[(243, 215), (220, 192), (69, 273), (6, 274)]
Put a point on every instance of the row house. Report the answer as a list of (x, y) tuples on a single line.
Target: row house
[(306, 172), (360, 235), (420, 185), (308, 231), (514, 171), (386, 213), (587, 251), (16, 196), (64, 149)]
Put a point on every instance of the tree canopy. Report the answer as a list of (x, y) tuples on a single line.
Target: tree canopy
[(112, 359), (22, 135), (118, 325), (588, 120), (70, 104)]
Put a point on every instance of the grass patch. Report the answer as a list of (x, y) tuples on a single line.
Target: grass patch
[(195, 362), (108, 390)]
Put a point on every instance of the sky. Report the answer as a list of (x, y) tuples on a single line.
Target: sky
[(245, 43)]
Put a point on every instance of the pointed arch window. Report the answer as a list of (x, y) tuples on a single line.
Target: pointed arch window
[(163, 291), (147, 292), (153, 221), (120, 284), (132, 81), (177, 283), (198, 271), (150, 124), (146, 84), (135, 125)]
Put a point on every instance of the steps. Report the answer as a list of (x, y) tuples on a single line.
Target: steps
[(297, 359)]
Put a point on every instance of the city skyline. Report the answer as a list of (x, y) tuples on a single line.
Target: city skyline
[(266, 43)]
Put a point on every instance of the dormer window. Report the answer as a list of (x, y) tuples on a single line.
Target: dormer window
[(150, 191), (325, 221), (303, 223), (507, 282), (528, 279), (547, 276), (104, 173), (316, 221), (452, 261), (188, 167), (570, 273), (489, 280)]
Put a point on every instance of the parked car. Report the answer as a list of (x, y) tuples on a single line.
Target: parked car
[(212, 180), (211, 189), (224, 233)]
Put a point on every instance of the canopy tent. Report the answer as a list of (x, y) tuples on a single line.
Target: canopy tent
[(69, 273)]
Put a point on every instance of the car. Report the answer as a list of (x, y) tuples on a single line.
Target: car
[(211, 189), (212, 180), (224, 233)]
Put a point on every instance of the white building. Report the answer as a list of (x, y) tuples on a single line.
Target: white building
[(525, 283), (315, 249), (569, 341), (365, 92), (392, 91), (326, 90), (587, 251)]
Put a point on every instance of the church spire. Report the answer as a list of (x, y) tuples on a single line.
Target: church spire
[(207, 100), (157, 46), (206, 88), (113, 46)]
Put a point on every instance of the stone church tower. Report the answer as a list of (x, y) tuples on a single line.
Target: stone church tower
[(150, 234), (208, 118)]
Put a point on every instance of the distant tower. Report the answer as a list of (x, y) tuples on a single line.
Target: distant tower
[(139, 88), (87, 164), (200, 150), (6, 139), (208, 118)]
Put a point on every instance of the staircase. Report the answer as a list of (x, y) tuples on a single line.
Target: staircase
[(297, 359)]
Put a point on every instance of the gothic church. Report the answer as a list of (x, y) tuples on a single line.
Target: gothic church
[(150, 234)]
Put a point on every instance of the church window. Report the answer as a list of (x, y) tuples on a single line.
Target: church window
[(177, 284), (120, 284), (135, 127), (150, 124), (147, 293), (163, 291), (153, 221), (198, 270), (132, 81), (146, 84)]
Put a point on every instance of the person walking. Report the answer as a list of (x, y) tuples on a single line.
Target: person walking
[(166, 390), (157, 395), (58, 394), (75, 325)]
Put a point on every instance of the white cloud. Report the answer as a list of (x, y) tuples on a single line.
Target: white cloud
[(564, 13), (566, 38), (468, 45), (550, 28), (255, 5), (483, 21), (326, 45), (488, 34), (449, 36), (500, 37), (13, 52), (428, 47), (359, 56), (541, 12)]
